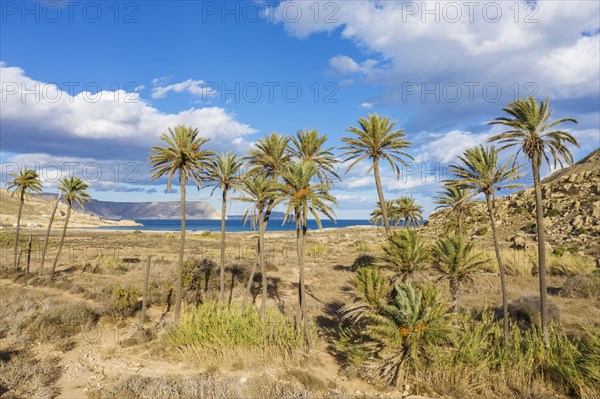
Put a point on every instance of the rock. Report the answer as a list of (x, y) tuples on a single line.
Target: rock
[(518, 242)]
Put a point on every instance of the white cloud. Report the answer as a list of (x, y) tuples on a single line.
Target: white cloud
[(366, 105), (48, 118), (196, 88), (447, 147)]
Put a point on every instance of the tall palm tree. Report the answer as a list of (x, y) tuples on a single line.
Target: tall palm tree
[(182, 154), (268, 158), (73, 189), (58, 197), (408, 211), (406, 253), (306, 145), (456, 261), (260, 191), (480, 171), (304, 197), (224, 173), (392, 212), (24, 182), (533, 134), (457, 200), (376, 139)]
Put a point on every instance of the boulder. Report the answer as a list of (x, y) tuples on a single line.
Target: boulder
[(518, 242)]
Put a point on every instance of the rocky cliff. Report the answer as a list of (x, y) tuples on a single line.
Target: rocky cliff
[(571, 208)]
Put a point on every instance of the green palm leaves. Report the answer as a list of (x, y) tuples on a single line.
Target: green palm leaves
[(377, 139), (533, 133), (406, 253), (457, 262)]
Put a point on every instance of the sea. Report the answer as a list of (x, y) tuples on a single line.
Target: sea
[(234, 225)]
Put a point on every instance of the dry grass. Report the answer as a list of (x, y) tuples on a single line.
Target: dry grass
[(524, 263), (24, 376)]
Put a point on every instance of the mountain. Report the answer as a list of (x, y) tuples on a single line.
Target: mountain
[(147, 210), (152, 210), (571, 208)]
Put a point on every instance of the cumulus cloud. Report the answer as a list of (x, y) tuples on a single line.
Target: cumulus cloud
[(196, 88), (366, 105), (43, 117)]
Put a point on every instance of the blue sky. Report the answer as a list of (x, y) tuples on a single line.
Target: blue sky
[(89, 86)]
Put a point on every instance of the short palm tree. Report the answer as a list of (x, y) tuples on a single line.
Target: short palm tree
[(392, 212), (303, 197), (372, 289), (260, 191), (455, 260), (400, 332), (531, 131), (54, 209), (224, 172), (377, 139), (479, 170), (457, 200), (182, 155), (406, 253), (24, 182), (307, 145), (73, 191), (409, 212)]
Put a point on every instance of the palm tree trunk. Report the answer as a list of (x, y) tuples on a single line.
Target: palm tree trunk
[(179, 282), (22, 200), (145, 297), (458, 224), (302, 287), (28, 253), (384, 211), (539, 214), (454, 294), (48, 233), (490, 207), (263, 267), (62, 241), (223, 214)]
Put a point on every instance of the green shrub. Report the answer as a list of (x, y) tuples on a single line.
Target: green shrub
[(104, 264), (210, 332), (123, 301), (137, 231), (552, 212), (483, 230), (580, 230), (530, 228), (559, 251), (361, 246)]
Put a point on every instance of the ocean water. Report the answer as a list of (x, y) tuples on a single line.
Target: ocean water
[(233, 225)]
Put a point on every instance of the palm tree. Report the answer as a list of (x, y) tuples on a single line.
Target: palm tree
[(24, 182), (377, 140), (456, 261), (58, 197), (74, 192), (183, 154), (306, 145), (260, 192), (304, 197), (224, 173), (406, 253), (457, 200), (534, 135), (268, 158), (400, 329), (408, 211), (373, 290), (481, 172), (392, 212)]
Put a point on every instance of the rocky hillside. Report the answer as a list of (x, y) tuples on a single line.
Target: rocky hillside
[(37, 211), (571, 206)]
